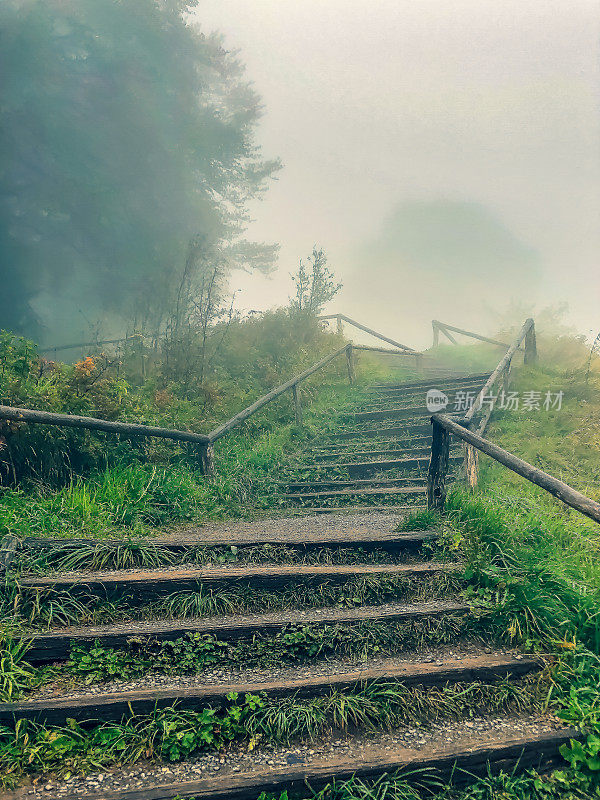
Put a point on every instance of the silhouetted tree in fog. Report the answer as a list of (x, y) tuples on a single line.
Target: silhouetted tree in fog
[(125, 133)]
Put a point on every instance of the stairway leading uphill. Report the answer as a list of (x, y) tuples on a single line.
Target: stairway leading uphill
[(379, 451), (351, 636)]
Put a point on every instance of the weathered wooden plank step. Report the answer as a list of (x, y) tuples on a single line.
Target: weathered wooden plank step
[(401, 453), (432, 383), (403, 412), (110, 704), (155, 582), (413, 396), (390, 432), (343, 536), (466, 394), (356, 482), (365, 467), (56, 644), (403, 490), (451, 751), (384, 509), (406, 443)]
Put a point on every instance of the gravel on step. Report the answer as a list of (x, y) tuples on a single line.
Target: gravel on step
[(238, 759), (212, 676)]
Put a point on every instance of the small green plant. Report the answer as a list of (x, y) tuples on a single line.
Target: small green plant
[(16, 675)]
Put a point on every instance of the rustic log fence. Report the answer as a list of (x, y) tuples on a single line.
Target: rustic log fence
[(205, 442), (444, 426), (445, 328), (525, 339), (402, 349)]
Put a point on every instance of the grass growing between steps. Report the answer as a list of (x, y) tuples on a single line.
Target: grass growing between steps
[(146, 554), (174, 735), (52, 608), (421, 785), (193, 653)]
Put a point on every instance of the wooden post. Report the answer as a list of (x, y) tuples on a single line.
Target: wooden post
[(8, 550), (438, 467), (436, 333), (206, 453), (506, 378), (448, 335), (530, 346), (471, 466), (340, 327), (297, 404), (350, 361)]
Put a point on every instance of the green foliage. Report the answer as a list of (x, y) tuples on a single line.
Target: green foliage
[(16, 675), (315, 285), (168, 734), (193, 652)]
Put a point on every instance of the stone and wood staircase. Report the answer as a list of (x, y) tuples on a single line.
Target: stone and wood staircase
[(379, 451), (395, 616)]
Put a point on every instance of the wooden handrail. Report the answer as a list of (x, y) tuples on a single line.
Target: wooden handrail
[(364, 328), (504, 363), (205, 441), (267, 398), (133, 337), (444, 328), (385, 350), (90, 423), (444, 425)]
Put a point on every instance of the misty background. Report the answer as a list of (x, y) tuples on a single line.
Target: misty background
[(444, 154)]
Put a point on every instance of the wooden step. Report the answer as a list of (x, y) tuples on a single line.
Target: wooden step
[(345, 445), (432, 383), (56, 644), (356, 468), (401, 453), (150, 583), (418, 398), (109, 704), (402, 412), (403, 490), (450, 752), (358, 535), (345, 484), (391, 432)]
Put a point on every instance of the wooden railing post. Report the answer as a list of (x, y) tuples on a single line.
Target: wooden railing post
[(530, 345), (436, 333), (350, 362), (340, 327), (438, 467), (206, 454), (471, 466), (297, 404)]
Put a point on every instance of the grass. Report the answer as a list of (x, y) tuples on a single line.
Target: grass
[(134, 497)]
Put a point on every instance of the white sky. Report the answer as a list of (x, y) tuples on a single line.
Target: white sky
[(371, 103)]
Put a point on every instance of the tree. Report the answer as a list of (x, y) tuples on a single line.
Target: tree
[(126, 132), (315, 284)]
